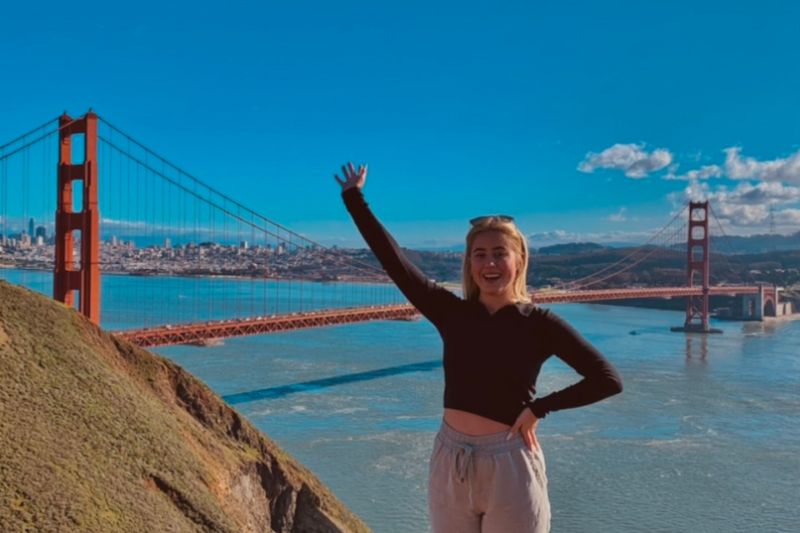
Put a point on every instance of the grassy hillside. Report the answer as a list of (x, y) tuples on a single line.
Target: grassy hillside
[(98, 435)]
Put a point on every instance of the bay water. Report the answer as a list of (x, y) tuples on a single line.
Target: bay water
[(704, 438)]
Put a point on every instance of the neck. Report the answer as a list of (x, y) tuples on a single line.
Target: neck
[(493, 302)]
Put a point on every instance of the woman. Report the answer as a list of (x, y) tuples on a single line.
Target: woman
[(487, 471)]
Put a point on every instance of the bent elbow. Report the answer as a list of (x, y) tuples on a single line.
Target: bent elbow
[(614, 384), (609, 381)]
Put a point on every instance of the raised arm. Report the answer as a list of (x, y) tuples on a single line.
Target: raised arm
[(432, 300), (600, 378)]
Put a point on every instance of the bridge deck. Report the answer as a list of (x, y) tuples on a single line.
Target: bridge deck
[(199, 333)]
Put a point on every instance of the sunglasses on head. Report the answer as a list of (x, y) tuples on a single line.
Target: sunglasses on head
[(479, 220)]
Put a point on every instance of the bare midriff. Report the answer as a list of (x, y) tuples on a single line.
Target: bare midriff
[(472, 424)]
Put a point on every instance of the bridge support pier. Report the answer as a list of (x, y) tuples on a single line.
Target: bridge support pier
[(764, 304), (66, 277)]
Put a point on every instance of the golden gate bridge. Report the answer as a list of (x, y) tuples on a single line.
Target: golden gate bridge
[(161, 222)]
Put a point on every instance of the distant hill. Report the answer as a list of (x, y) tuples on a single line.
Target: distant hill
[(729, 245), (731, 262), (643, 266), (755, 244), (98, 435)]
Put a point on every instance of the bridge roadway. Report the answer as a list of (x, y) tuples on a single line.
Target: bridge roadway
[(206, 332)]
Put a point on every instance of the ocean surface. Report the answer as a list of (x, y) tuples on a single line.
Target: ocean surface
[(704, 438)]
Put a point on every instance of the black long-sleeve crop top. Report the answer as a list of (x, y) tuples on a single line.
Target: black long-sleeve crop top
[(491, 361)]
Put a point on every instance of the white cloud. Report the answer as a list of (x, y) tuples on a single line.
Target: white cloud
[(619, 216), (789, 217), (630, 158), (138, 224), (769, 197), (786, 170), (746, 204), (769, 193), (705, 172), (741, 215), (695, 191), (764, 194)]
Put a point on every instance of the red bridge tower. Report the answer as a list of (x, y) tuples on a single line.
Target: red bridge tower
[(86, 279), (698, 268)]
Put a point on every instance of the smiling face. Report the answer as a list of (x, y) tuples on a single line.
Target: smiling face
[(494, 262)]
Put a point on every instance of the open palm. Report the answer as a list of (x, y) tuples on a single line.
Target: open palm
[(352, 177)]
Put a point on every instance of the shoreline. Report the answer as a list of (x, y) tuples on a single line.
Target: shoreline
[(663, 304), (207, 276), (783, 318)]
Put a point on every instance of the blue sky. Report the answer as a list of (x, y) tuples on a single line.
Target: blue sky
[(585, 120)]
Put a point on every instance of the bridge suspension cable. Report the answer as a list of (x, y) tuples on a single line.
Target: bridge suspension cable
[(175, 252), (729, 267), (194, 252), (663, 240), (27, 202), (177, 214), (51, 122), (265, 222)]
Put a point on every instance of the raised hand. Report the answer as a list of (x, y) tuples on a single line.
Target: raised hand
[(352, 177)]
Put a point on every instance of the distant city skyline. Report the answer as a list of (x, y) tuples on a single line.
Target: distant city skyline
[(586, 121)]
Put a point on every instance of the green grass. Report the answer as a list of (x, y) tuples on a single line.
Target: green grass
[(99, 435)]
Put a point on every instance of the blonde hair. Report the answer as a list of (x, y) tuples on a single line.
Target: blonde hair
[(518, 244)]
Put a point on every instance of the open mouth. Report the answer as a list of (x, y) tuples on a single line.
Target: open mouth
[(491, 277)]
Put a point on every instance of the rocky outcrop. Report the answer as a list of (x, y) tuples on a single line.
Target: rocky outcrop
[(99, 435)]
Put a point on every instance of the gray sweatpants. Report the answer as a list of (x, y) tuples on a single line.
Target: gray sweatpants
[(486, 484)]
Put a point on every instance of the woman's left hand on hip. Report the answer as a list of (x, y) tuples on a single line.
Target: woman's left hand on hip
[(526, 425)]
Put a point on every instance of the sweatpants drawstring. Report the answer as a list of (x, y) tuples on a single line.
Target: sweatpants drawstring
[(463, 461)]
